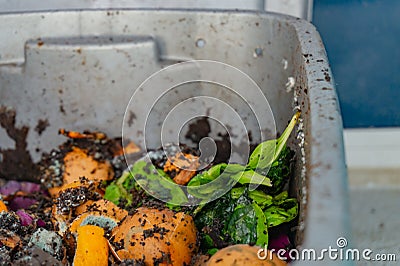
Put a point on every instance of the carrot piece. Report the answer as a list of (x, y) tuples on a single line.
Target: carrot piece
[(184, 165), (184, 177), (84, 135), (3, 206), (92, 247)]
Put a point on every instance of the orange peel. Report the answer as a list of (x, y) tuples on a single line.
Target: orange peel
[(92, 246), (78, 163), (61, 219), (103, 207), (157, 235), (243, 254), (93, 218), (3, 206), (184, 164), (93, 185)]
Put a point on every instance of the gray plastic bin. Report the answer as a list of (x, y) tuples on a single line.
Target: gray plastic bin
[(78, 69)]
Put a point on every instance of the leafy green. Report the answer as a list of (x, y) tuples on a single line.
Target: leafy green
[(280, 171), (215, 212), (247, 224), (207, 176), (214, 182), (242, 225), (212, 251), (243, 215), (237, 192), (267, 152), (264, 156), (285, 212), (210, 219), (117, 191), (252, 177), (114, 193), (261, 198), (262, 226), (156, 182), (153, 181), (280, 198), (222, 176)]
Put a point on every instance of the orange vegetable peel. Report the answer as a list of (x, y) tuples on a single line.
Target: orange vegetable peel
[(92, 247)]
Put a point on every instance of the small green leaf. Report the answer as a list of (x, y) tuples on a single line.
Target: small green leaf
[(212, 251), (248, 225), (218, 209), (283, 213), (237, 192), (208, 242), (280, 198), (242, 225), (214, 181), (116, 191), (157, 183), (173, 207), (262, 227), (263, 155), (267, 152), (261, 198), (280, 171), (207, 176), (252, 177), (234, 168)]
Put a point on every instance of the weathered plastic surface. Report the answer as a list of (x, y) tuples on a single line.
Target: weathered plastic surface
[(298, 8), (78, 69)]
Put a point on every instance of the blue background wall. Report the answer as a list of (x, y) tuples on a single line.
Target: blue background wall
[(362, 39)]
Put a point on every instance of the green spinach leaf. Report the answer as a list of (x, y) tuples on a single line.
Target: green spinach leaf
[(213, 182), (117, 191), (154, 181), (280, 171), (267, 152), (283, 213), (261, 198), (248, 225), (251, 177)]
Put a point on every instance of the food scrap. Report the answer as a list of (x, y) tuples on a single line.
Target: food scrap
[(90, 208), (3, 206), (154, 236), (92, 247), (243, 254)]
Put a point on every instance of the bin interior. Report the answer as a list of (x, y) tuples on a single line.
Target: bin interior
[(78, 70)]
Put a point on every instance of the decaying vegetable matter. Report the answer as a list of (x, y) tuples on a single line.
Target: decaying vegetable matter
[(91, 209), (155, 236), (243, 254)]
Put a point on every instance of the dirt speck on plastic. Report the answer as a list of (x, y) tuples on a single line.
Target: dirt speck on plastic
[(41, 126), (16, 163), (131, 118)]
